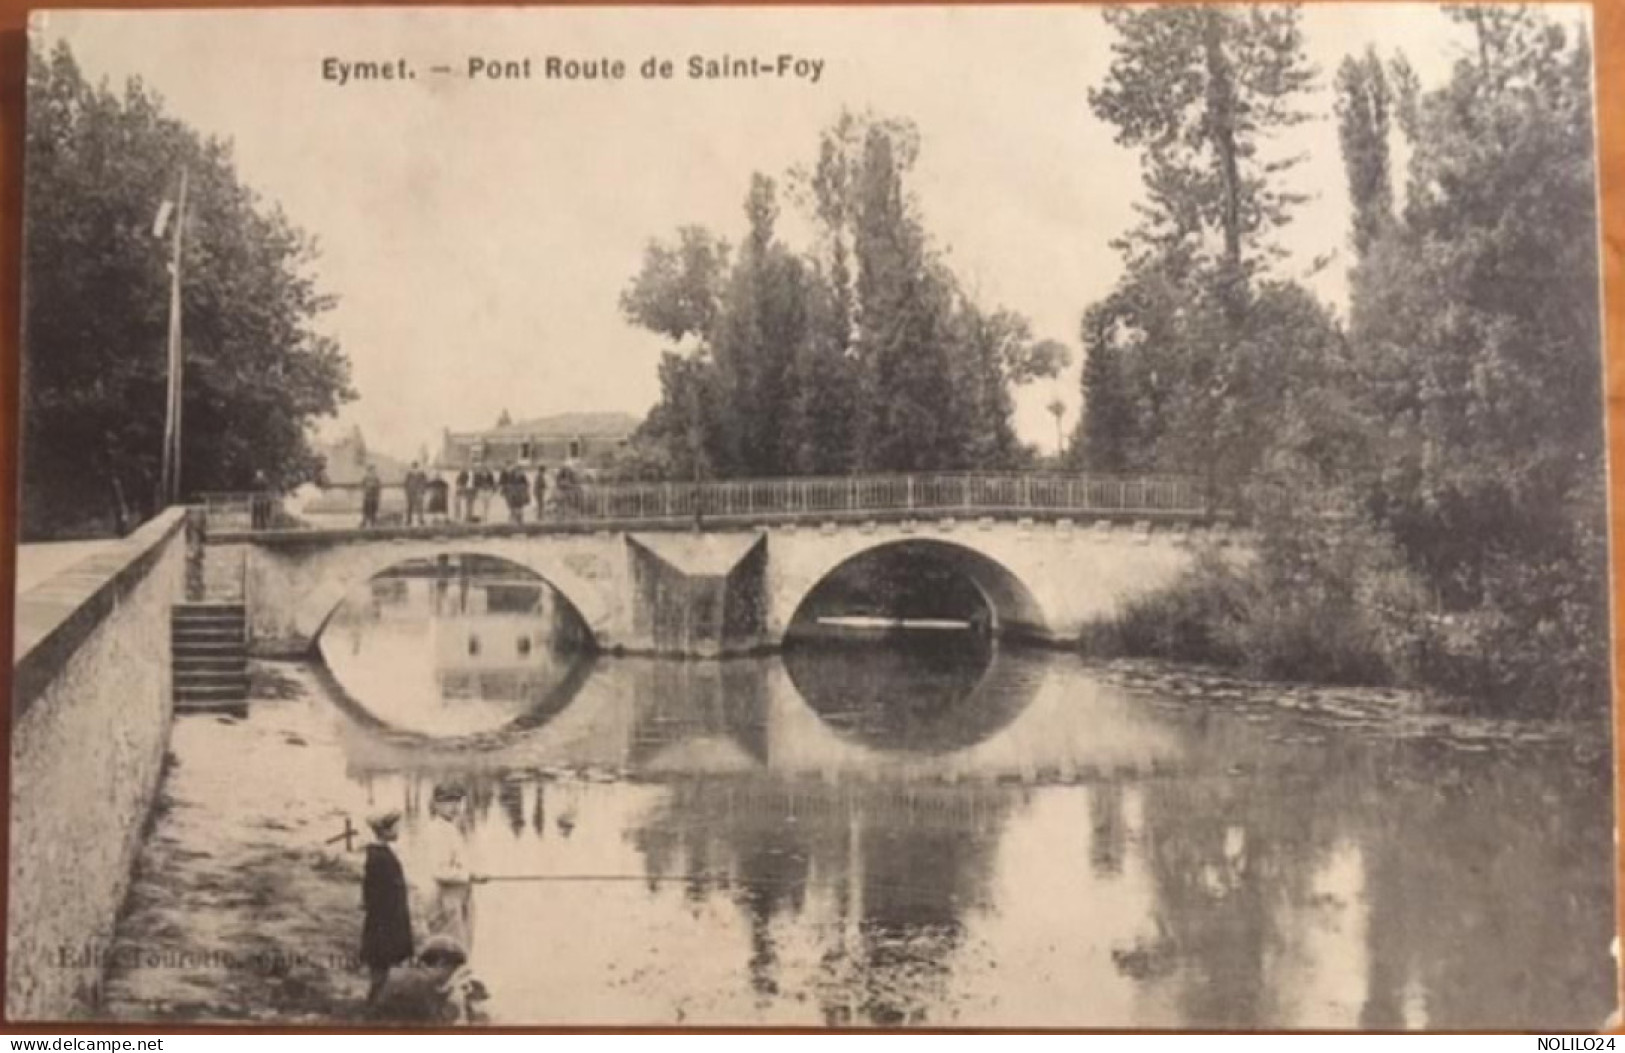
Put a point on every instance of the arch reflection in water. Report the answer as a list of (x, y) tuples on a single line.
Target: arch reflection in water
[(897, 648), (926, 691), (455, 646)]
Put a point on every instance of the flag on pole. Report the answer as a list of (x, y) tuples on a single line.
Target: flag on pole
[(161, 223)]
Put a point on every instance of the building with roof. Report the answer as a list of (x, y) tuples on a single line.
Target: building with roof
[(345, 460), (587, 440)]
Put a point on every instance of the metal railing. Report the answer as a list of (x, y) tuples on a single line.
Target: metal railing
[(938, 495)]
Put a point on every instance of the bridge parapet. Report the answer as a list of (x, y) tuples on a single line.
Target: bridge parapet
[(749, 502)]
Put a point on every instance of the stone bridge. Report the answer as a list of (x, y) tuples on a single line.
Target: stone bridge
[(730, 579)]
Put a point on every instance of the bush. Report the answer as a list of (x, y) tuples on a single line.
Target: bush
[(1333, 605), (1335, 602)]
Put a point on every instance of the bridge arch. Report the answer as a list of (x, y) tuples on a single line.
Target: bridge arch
[(1013, 606), (341, 569)]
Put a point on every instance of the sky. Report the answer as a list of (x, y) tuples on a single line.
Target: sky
[(477, 233)]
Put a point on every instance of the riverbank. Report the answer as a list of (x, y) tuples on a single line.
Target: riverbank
[(1384, 712), (239, 911), (1341, 608)]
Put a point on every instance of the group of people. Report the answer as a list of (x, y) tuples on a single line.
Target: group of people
[(429, 495), (431, 983)]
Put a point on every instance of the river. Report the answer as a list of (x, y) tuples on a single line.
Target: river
[(932, 830)]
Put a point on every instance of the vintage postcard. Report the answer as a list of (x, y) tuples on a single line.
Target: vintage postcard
[(932, 516)]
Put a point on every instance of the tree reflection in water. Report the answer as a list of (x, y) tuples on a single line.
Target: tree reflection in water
[(1025, 839), (902, 862)]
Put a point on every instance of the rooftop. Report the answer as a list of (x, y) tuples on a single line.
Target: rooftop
[(571, 426)]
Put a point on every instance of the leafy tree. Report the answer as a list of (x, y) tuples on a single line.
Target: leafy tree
[(982, 345), (1364, 105), (1104, 437), (861, 353), (96, 309), (825, 383), (678, 294), (903, 314), (1476, 322), (1200, 91), (765, 321)]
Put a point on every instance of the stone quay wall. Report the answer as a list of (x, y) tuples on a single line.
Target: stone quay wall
[(91, 708)]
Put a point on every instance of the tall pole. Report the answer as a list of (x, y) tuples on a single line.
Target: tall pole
[(171, 473)]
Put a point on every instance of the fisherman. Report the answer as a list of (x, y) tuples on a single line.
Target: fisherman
[(386, 925), (451, 909)]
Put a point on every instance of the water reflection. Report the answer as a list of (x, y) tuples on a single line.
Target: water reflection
[(756, 841), (456, 646), (926, 690)]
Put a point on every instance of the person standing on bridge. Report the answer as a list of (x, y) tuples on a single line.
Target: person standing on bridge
[(416, 482), (371, 490), (540, 490), (260, 501), (465, 495), (515, 491), (386, 925), (484, 485), (437, 499)]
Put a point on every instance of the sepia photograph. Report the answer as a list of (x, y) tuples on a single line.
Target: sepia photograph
[(938, 517)]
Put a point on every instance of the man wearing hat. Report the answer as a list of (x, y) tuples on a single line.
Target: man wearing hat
[(386, 926), (451, 908)]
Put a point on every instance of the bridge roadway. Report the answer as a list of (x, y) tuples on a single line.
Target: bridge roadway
[(722, 568)]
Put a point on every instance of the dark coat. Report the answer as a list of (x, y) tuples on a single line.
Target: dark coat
[(386, 927)]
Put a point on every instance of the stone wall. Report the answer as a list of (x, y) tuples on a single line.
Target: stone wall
[(90, 722)]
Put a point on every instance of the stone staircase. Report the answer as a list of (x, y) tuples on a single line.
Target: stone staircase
[(208, 632), (209, 648)]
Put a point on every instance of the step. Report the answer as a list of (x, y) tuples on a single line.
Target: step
[(187, 635), (211, 612), (221, 661), (224, 689), (204, 633), (208, 648), (197, 696), (235, 707), (212, 682), (215, 617)]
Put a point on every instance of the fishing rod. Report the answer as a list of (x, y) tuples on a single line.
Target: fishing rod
[(482, 879)]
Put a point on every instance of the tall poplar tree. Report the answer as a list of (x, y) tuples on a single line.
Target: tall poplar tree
[(1200, 91)]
